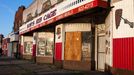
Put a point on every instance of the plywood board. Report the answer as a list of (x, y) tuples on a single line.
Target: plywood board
[(73, 46), (77, 46), (68, 46)]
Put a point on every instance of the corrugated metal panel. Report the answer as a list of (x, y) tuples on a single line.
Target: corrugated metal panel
[(122, 29), (58, 51), (123, 35), (123, 54), (71, 27)]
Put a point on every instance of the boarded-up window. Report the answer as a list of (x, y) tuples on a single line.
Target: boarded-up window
[(77, 46), (73, 46)]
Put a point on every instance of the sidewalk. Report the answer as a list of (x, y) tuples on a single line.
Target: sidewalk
[(11, 66)]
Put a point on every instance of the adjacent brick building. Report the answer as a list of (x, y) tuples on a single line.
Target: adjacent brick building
[(14, 37), (18, 18)]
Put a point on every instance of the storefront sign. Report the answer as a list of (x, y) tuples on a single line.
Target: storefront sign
[(40, 19), (60, 11)]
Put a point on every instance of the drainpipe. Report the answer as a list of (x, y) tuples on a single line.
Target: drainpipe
[(92, 45)]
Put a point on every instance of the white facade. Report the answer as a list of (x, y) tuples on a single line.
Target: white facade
[(72, 27), (123, 30), (13, 37), (62, 10), (30, 10), (36, 8)]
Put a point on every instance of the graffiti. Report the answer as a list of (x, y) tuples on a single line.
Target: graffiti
[(59, 32), (118, 17), (118, 14)]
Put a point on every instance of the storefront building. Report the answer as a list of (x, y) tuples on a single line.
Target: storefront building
[(66, 34), (28, 43), (15, 34), (12, 44), (123, 49), (77, 45), (5, 43), (44, 45)]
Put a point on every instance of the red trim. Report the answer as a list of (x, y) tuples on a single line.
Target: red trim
[(34, 50), (93, 4), (102, 4), (5, 52), (123, 53), (21, 49), (58, 51)]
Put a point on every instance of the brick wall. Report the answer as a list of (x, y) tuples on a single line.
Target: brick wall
[(18, 18)]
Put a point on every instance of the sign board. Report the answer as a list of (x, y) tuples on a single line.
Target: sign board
[(60, 11)]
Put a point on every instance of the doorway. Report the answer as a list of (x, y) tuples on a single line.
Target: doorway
[(101, 53)]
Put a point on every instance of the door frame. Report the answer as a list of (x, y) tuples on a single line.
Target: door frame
[(99, 35)]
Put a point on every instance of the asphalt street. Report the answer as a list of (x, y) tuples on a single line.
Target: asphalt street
[(11, 66)]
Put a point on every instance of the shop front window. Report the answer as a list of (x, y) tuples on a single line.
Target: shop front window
[(41, 46), (28, 47), (49, 47), (45, 46), (86, 41)]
